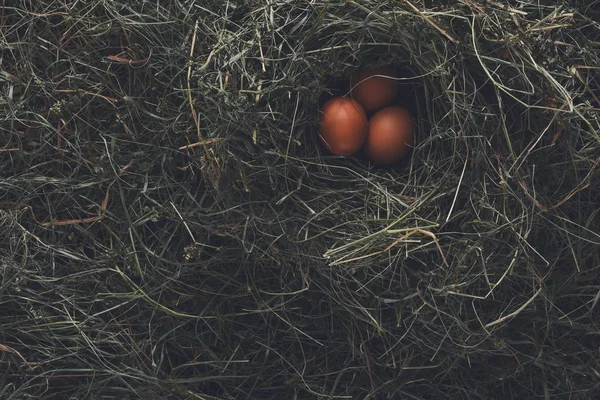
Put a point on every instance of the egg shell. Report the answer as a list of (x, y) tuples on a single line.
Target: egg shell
[(344, 126), (375, 88), (391, 135)]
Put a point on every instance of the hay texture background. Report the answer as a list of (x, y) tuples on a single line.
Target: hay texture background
[(171, 227)]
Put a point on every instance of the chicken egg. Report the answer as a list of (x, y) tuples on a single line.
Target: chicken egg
[(391, 135), (375, 88), (344, 126)]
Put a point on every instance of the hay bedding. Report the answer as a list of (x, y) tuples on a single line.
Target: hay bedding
[(171, 227)]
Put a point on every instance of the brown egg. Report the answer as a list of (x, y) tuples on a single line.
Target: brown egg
[(391, 134), (375, 88), (344, 126)]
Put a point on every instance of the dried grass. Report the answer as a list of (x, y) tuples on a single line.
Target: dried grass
[(171, 227)]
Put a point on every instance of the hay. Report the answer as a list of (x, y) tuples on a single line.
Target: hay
[(172, 228)]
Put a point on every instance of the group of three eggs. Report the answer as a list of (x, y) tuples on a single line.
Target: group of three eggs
[(386, 135)]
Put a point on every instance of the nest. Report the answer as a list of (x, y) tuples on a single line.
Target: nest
[(173, 228)]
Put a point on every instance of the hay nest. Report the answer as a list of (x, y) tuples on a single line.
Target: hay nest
[(171, 226)]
